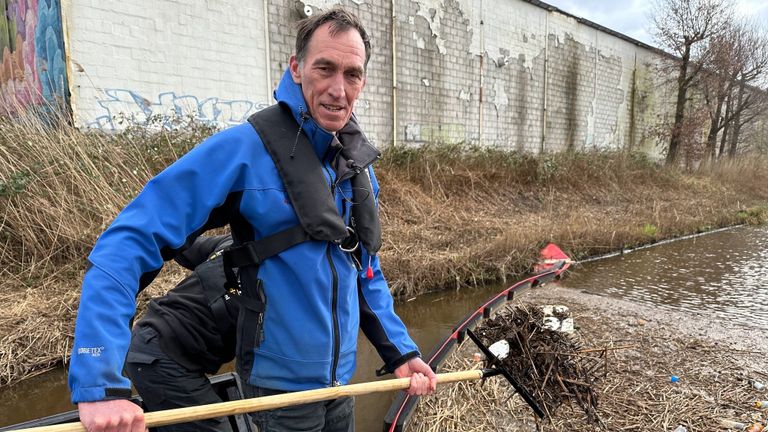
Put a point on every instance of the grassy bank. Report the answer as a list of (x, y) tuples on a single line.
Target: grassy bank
[(453, 216)]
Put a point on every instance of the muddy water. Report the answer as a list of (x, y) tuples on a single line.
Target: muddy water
[(724, 274)]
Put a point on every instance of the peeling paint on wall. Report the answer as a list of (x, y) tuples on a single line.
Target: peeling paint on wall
[(321, 4), (500, 99), (420, 42), (433, 11), (506, 29)]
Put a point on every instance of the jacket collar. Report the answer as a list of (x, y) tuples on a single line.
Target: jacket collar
[(289, 94)]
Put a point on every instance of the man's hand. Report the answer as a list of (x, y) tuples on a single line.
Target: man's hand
[(423, 379), (119, 415)]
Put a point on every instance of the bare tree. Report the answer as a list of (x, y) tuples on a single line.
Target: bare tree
[(724, 61), (750, 80), (684, 27)]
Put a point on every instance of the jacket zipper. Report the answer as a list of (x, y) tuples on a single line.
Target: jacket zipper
[(334, 305), (334, 286)]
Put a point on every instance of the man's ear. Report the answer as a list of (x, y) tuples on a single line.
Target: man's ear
[(295, 72)]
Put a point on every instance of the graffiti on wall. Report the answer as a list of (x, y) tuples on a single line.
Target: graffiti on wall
[(123, 107), (32, 67)]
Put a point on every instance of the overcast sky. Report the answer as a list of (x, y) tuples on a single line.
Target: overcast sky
[(630, 17)]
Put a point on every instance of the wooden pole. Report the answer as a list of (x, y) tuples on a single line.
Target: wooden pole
[(221, 409)]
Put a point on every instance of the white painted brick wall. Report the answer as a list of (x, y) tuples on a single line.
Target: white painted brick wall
[(144, 58), (208, 58)]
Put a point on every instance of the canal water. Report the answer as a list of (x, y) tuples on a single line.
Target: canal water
[(723, 274)]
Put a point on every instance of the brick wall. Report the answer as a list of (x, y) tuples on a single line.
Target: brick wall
[(505, 73), (144, 59)]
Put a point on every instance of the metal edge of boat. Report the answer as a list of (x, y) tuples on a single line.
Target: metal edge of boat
[(402, 407)]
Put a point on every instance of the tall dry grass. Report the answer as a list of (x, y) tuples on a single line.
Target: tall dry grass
[(59, 188), (453, 216), (457, 216)]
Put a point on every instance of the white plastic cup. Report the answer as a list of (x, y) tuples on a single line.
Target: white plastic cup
[(566, 326)]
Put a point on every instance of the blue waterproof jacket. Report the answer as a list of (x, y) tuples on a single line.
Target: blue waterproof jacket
[(317, 300)]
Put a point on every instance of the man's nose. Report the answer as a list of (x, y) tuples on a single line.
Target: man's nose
[(336, 89)]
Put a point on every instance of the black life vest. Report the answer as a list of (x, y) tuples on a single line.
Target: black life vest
[(301, 172)]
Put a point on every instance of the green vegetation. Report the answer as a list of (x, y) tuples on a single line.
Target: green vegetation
[(650, 230), (757, 215)]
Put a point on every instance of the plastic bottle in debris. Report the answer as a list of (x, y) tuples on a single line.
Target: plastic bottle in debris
[(680, 428), (747, 427), (730, 424), (757, 385), (761, 404)]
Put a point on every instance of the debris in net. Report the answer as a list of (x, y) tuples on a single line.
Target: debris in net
[(548, 363)]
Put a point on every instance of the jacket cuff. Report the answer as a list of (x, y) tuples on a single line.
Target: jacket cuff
[(391, 366), (117, 393), (95, 394)]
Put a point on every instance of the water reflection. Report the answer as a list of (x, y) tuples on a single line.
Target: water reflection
[(723, 273), (35, 397)]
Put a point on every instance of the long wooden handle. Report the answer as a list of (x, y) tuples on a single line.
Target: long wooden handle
[(221, 409)]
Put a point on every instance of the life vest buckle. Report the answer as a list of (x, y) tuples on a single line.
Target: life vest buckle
[(351, 242)]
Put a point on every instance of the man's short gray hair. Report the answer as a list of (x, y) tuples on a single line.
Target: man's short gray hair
[(341, 20)]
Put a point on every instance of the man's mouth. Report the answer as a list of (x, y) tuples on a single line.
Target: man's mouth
[(332, 108)]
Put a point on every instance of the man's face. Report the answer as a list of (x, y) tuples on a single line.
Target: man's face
[(332, 75)]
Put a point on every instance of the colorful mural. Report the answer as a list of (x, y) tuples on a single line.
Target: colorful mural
[(32, 68)]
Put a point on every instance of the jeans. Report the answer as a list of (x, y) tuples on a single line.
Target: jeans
[(337, 415)]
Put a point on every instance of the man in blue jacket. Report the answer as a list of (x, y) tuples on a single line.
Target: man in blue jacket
[(296, 187)]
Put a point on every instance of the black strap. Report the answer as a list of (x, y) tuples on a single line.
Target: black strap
[(215, 285), (302, 175), (300, 171), (254, 252), (249, 303)]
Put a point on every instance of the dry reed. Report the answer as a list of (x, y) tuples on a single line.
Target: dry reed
[(453, 216)]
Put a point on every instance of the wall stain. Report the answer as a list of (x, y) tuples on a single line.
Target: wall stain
[(522, 86), (585, 96)]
